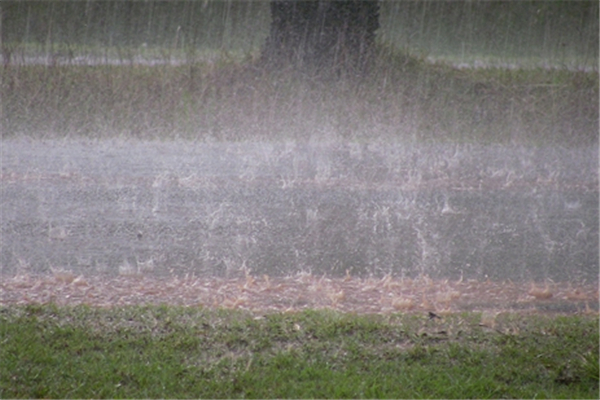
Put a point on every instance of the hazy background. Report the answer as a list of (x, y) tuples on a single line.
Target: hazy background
[(522, 33)]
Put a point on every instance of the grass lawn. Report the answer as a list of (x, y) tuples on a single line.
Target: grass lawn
[(403, 98), (182, 352)]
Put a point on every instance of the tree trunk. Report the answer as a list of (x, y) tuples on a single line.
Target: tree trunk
[(322, 35)]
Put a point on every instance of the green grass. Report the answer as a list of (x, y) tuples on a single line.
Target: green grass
[(403, 98), (163, 351)]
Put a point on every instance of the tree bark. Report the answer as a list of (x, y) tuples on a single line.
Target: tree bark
[(322, 35)]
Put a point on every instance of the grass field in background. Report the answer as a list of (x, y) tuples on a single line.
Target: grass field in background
[(402, 98), (166, 351), (524, 33), (188, 69)]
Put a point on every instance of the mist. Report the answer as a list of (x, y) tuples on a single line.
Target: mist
[(155, 148)]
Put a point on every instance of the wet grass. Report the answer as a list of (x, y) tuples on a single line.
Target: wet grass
[(164, 351), (231, 99)]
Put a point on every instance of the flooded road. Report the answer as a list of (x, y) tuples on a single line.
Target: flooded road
[(162, 209)]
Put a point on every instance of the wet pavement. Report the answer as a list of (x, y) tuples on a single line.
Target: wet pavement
[(163, 209)]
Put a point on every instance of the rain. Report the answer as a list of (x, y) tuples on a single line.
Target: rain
[(147, 155)]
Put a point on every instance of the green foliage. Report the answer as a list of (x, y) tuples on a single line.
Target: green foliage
[(162, 351), (558, 33), (521, 33), (221, 25)]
